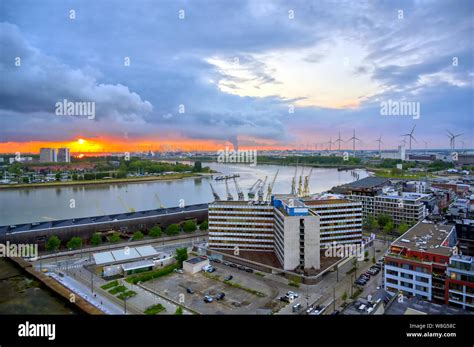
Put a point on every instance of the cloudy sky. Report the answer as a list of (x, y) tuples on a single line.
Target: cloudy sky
[(260, 74)]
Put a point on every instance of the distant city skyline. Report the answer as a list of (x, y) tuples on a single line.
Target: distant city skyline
[(195, 75)]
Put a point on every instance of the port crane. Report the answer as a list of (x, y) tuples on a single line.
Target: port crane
[(270, 187), (216, 196), (240, 193), (253, 188), (300, 183), (129, 209), (159, 201), (306, 183), (260, 189), (227, 191), (293, 181)]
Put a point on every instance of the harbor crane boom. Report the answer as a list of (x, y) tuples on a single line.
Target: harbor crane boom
[(306, 183), (216, 196), (253, 188), (240, 193), (227, 191), (293, 181), (260, 189), (270, 187)]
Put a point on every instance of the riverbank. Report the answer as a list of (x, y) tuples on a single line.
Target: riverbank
[(105, 182), (53, 285)]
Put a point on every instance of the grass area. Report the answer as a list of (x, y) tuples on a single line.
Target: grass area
[(259, 274), (155, 309), (100, 181), (127, 295), (150, 275), (117, 290), (234, 285), (402, 175), (109, 285)]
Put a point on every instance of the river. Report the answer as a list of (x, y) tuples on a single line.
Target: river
[(27, 205)]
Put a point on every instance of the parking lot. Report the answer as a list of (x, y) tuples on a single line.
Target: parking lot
[(245, 293)]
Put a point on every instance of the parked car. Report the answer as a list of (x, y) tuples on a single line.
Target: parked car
[(296, 307), (228, 278), (318, 310), (217, 261), (241, 267), (211, 269), (291, 293), (220, 296), (249, 270), (233, 265), (180, 271), (310, 309), (208, 298), (226, 263), (286, 298), (189, 290)]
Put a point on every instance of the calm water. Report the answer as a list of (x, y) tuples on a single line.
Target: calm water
[(41, 204), (21, 295)]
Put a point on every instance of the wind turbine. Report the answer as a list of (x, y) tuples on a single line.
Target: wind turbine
[(338, 141), (452, 139), (410, 135), (330, 142), (353, 139), (379, 140)]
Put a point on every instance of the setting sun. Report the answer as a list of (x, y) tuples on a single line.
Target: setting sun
[(81, 141)]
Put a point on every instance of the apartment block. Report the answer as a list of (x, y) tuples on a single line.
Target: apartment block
[(416, 263), (460, 282), (64, 155), (48, 155)]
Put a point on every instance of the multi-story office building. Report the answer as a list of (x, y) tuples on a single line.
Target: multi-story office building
[(293, 229), (416, 263), (465, 236), (48, 155), (297, 230), (340, 220), (64, 155), (247, 225), (460, 282)]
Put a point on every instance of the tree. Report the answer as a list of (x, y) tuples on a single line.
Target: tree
[(115, 237), (344, 296), (179, 310), (26, 180), (189, 226), (371, 224), (172, 229), (197, 166), (373, 260), (383, 219), (138, 235), (402, 228), (74, 243), (204, 225), (155, 231), (53, 243), (388, 228), (181, 255), (74, 177), (96, 239), (58, 176)]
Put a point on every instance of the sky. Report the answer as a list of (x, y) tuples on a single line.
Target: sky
[(257, 74)]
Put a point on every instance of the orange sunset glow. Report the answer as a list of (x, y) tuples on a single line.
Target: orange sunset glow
[(91, 146)]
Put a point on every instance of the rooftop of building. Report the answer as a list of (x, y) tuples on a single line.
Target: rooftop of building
[(367, 183), (196, 260), (327, 202), (19, 228), (240, 202), (426, 237), (414, 305)]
